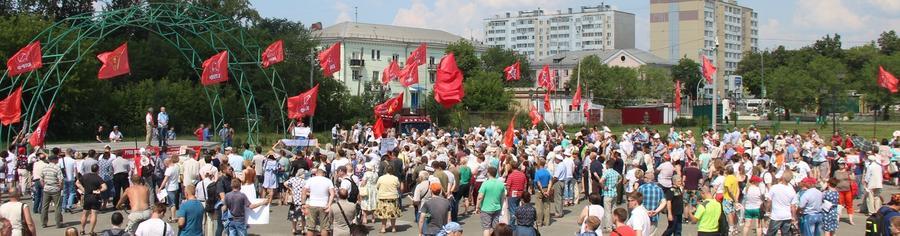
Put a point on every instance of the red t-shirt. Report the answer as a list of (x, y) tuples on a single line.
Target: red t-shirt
[(515, 183), (623, 231)]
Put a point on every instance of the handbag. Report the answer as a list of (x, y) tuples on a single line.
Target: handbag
[(25, 230), (355, 228)]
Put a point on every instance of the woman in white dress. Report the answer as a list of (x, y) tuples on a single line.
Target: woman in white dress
[(370, 200)]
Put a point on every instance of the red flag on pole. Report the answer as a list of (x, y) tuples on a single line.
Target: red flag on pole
[(677, 95), (576, 100), (274, 53), (535, 116), (417, 57), (410, 75), (887, 80), (37, 137), (389, 107), (115, 62), (545, 80), (709, 70), (215, 69), (448, 86), (304, 104), (509, 135), (330, 59), (392, 72), (25, 60), (378, 128), (11, 108), (315, 26), (512, 71), (587, 109), (547, 101)]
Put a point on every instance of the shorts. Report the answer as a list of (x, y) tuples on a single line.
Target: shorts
[(727, 206), (692, 197), (490, 219), (462, 191), (136, 218), (91, 202), (318, 220), (751, 213), (295, 213)]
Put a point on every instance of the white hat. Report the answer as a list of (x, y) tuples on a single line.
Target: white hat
[(896, 133), (559, 157), (656, 135), (557, 149)]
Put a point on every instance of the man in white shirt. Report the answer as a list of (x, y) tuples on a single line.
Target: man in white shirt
[(569, 164), (115, 135), (155, 226), (780, 196), (319, 193), (873, 181), (190, 170), (640, 217), (67, 163), (148, 122)]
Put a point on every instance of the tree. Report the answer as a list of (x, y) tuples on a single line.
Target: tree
[(829, 46), (485, 92), (788, 89), (655, 83), (877, 97), (496, 59), (466, 59), (889, 42), (688, 72), (612, 86)]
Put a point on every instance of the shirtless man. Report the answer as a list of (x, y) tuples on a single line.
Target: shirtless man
[(137, 196)]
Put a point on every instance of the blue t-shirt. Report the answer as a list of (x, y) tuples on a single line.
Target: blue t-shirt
[(888, 213), (542, 177), (192, 212)]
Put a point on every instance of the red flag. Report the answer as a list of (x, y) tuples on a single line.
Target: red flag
[(509, 135), (304, 104), (448, 86), (417, 57), (315, 26), (887, 80), (677, 95), (392, 72), (709, 70), (37, 137), (274, 53), (547, 102), (215, 69), (587, 109), (409, 76), (576, 100), (11, 108), (330, 59), (389, 107), (115, 62), (25, 60), (545, 79), (378, 128), (535, 116), (512, 71)]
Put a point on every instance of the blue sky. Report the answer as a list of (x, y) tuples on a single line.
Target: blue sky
[(793, 23)]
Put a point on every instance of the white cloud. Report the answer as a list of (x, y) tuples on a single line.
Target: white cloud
[(886, 5), (343, 12), (455, 16), (827, 14)]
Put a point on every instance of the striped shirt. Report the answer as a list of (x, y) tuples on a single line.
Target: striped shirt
[(52, 177)]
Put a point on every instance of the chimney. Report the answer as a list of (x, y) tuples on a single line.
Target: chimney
[(570, 10)]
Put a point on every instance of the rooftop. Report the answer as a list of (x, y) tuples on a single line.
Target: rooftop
[(378, 32)]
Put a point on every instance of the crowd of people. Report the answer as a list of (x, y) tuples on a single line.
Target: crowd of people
[(737, 182)]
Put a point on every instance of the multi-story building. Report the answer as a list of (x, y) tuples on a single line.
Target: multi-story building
[(367, 49), (720, 29), (539, 34)]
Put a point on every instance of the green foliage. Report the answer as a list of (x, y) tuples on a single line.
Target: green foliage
[(688, 71), (788, 87), (684, 122), (485, 92), (466, 59), (889, 42), (620, 86), (496, 59)]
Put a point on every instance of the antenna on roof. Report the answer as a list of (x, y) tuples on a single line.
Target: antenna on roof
[(355, 15)]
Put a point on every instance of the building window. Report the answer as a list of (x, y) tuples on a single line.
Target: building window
[(375, 76), (431, 76), (355, 75), (396, 57), (431, 60)]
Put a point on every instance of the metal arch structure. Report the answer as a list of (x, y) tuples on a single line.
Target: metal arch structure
[(67, 42)]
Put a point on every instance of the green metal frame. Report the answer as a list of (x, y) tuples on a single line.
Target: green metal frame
[(67, 42)]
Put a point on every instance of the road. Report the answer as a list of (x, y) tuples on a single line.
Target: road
[(560, 226)]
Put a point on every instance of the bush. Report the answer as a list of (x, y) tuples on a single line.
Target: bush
[(684, 122)]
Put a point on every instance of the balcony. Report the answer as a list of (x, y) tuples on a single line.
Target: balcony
[(357, 62), (432, 67)]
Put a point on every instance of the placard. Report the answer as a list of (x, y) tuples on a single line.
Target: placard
[(260, 215)]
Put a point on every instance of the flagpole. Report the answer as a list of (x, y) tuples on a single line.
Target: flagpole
[(312, 67), (578, 85)]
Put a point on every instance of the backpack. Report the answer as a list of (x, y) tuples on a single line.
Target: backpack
[(873, 222), (212, 197), (353, 195)]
